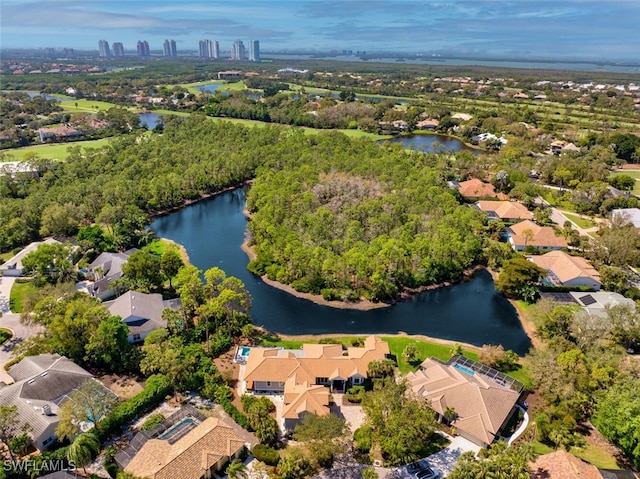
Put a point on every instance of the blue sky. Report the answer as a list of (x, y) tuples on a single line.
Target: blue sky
[(560, 29)]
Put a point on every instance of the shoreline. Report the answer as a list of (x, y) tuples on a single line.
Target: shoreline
[(192, 201), (364, 304)]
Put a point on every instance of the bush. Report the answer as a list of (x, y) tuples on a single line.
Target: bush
[(236, 415), (266, 454), (157, 388), (355, 394), (362, 436), (152, 421)]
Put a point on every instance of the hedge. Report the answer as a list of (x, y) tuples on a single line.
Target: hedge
[(266, 454), (235, 414), (157, 388)]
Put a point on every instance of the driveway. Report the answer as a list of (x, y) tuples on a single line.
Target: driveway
[(12, 321), (445, 460), (6, 283)]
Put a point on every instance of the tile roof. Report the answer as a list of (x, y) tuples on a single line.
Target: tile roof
[(505, 209), (542, 236), (482, 405), (475, 188), (140, 311), (302, 398), (563, 465), (188, 458), (15, 262), (111, 266), (566, 267)]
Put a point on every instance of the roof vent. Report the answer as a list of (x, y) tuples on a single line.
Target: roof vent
[(46, 410), (31, 381), (44, 374)]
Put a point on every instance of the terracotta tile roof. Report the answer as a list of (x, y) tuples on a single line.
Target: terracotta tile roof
[(542, 236), (313, 361), (563, 465), (190, 457), (566, 267), (479, 189), (482, 406), (505, 209), (302, 398)]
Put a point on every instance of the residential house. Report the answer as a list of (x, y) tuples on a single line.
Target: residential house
[(428, 124), (306, 376), (630, 215), (13, 266), (481, 406), (104, 270), (58, 132), (476, 188), (41, 384), (562, 465), (200, 453), (508, 211), (527, 233), (141, 312), (567, 270)]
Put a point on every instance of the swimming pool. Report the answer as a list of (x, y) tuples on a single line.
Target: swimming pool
[(244, 351), (468, 371), (178, 430)]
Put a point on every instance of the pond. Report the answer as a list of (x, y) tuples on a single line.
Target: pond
[(210, 88), (212, 231), (150, 119), (433, 143)]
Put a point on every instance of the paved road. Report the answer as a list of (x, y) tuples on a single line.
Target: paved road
[(12, 321)]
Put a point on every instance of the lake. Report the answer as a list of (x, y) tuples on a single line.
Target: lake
[(433, 143), (150, 119), (212, 231), (210, 88)]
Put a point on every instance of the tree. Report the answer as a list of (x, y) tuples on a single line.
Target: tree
[(381, 368), (237, 470), (400, 425), (108, 346), (170, 264), (410, 353), (49, 260), (10, 424), (324, 436), (82, 450), (456, 350), (142, 272), (519, 277), (498, 460), (257, 411), (89, 403)]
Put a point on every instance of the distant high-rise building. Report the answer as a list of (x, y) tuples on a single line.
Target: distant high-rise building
[(118, 49), (238, 52), (254, 51), (103, 49), (208, 49), (143, 48), (68, 52), (50, 52), (170, 48)]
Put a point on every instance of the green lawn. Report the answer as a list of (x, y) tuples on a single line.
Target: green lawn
[(159, 246), (633, 174), (5, 335), (581, 222), (84, 105), (591, 454), (21, 288), (233, 86), (56, 151)]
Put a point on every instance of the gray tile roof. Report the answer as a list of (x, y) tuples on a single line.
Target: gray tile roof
[(140, 311)]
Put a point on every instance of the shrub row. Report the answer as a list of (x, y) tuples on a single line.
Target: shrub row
[(157, 388), (266, 454), (235, 414)]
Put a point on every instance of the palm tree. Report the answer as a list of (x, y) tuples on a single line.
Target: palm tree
[(82, 449), (237, 470), (450, 415)]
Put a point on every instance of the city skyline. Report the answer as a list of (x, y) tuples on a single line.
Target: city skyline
[(562, 29)]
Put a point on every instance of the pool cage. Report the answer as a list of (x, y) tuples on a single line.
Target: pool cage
[(484, 370), (124, 456)]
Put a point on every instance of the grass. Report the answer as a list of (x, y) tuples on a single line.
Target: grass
[(5, 335), (633, 174), (581, 222), (5, 256), (83, 105), (159, 246), (20, 290), (591, 454), (233, 86), (56, 151)]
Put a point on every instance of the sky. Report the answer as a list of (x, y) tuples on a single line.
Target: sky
[(596, 30)]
